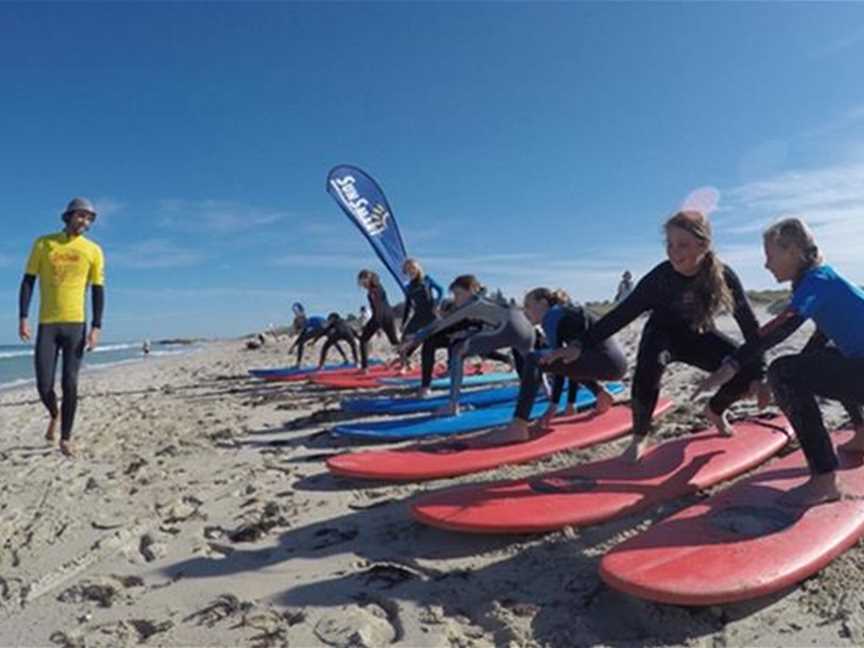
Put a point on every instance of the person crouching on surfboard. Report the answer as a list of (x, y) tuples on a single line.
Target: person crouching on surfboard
[(382, 314), (683, 294), (837, 308), (564, 299), (337, 330), (476, 326), (563, 324), (447, 339)]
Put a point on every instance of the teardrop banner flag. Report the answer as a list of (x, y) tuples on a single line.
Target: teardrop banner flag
[(363, 202)]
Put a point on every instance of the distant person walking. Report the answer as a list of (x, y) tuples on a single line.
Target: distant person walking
[(625, 287), (65, 263)]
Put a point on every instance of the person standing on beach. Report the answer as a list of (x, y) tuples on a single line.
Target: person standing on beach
[(382, 314), (65, 263), (421, 301)]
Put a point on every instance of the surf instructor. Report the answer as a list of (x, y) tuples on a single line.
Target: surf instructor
[(65, 263)]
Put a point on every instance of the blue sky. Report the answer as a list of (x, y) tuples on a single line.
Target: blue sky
[(532, 144)]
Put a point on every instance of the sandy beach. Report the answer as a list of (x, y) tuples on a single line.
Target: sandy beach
[(200, 513)]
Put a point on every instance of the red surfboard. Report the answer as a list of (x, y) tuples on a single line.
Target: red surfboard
[(461, 457), (330, 373), (357, 380), (603, 490), (742, 543)]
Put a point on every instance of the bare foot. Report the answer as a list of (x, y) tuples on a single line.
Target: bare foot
[(517, 432), (545, 421), (68, 448), (719, 421), (855, 444), (51, 433), (636, 450), (819, 489), (605, 401)]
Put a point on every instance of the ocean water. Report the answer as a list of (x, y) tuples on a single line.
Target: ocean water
[(16, 360)]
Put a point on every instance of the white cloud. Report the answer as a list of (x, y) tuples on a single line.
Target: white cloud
[(215, 216), (107, 207), (830, 200), (154, 253)]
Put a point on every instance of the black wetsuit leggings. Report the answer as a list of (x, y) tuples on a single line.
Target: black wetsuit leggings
[(334, 341), (371, 328), (797, 380), (442, 341), (304, 337), (604, 363), (51, 340), (661, 345)]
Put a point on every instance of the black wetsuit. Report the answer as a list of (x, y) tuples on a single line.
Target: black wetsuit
[(420, 301), (382, 318), (68, 338), (335, 332), (670, 336), (313, 329), (565, 325)]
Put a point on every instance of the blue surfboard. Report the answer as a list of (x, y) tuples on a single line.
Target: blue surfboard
[(425, 426), (481, 398), (479, 380)]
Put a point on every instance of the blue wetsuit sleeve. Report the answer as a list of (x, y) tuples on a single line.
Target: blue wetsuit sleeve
[(25, 295)]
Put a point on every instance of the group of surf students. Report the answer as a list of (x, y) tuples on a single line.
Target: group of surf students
[(552, 338), (548, 336)]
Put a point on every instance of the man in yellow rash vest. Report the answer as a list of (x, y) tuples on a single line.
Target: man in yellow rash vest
[(65, 263)]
